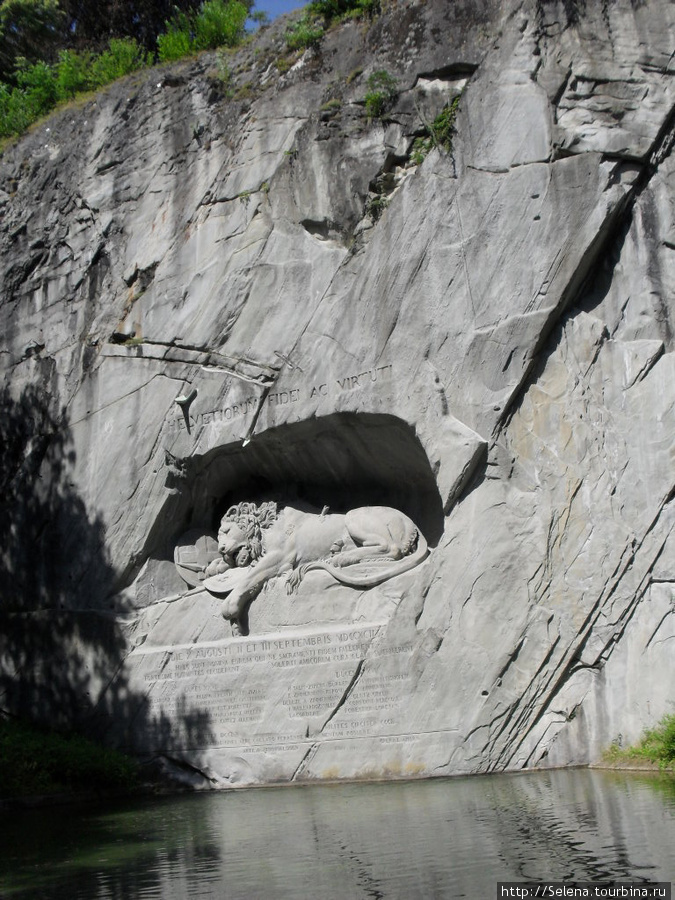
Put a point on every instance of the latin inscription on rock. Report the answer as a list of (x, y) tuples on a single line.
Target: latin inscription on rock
[(272, 690), (253, 404)]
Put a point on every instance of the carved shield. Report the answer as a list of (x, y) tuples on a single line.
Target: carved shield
[(192, 554)]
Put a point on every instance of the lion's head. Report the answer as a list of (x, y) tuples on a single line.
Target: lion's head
[(240, 533)]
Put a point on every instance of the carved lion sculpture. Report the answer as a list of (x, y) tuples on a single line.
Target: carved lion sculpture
[(260, 542)]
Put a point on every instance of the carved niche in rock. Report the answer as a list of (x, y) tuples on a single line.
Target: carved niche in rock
[(259, 542)]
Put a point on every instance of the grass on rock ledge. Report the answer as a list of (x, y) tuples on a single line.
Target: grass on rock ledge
[(35, 762), (657, 746)]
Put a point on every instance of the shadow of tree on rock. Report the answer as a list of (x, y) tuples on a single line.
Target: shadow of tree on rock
[(62, 651)]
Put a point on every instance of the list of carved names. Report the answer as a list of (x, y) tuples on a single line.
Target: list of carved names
[(278, 690)]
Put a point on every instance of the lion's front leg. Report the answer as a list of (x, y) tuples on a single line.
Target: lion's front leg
[(236, 602)]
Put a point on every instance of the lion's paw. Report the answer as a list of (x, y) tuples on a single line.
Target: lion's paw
[(230, 609)]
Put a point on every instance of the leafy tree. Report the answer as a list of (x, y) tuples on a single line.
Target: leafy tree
[(29, 29), (93, 24)]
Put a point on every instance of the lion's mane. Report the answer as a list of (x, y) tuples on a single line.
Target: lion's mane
[(253, 518)]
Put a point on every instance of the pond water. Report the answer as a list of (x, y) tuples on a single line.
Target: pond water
[(428, 839)]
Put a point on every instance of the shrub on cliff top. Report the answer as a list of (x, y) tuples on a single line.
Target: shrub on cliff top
[(39, 86), (219, 23), (340, 9), (36, 87)]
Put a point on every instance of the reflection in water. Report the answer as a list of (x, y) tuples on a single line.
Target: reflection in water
[(453, 838)]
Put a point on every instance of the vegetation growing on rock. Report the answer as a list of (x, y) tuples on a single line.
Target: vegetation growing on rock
[(218, 23), (657, 745), (38, 70), (381, 93), (341, 9), (438, 134), (310, 29), (307, 32)]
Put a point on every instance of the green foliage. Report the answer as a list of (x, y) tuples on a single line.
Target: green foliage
[(40, 86), (376, 205), (91, 24), (15, 114), (443, 126), (37, 86), (420, 148), (223, 72), (218, 23), (31, 29), (38, 29), (657, 746), (73, 73), (33, 761), (175, 43), (381, 94), (34, 95), (331, 106), (259, 16), (304, 34), (439, 134), (245, 91), (342, 9), (123, 56)]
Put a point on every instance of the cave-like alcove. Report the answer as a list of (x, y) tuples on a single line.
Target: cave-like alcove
[(341, 461)]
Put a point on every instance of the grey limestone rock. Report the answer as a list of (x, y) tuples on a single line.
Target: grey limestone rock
[(209, 299)]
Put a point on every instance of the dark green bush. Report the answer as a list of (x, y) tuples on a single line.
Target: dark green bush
[(29, 29), (443, 127), (15, 114), (38, 84), (34, 94), (34, 761), (338, 9)]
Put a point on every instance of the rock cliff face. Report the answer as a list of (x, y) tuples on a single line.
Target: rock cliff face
[(482, 339)]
